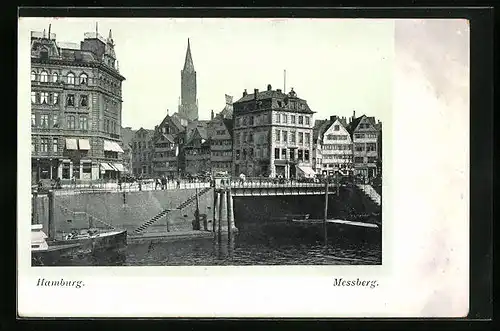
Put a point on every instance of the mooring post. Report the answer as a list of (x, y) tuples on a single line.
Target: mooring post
[(224, 212), (230, 210), (326, 212), (215, 224), (52, 226)]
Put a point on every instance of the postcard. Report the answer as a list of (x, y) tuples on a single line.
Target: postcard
[(236, 167)]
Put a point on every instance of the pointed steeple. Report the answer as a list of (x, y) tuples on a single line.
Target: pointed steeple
[(188, 63)]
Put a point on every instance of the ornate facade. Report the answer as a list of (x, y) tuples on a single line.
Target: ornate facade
[(76, 103)]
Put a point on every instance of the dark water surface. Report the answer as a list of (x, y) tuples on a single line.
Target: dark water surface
[(255, 245)]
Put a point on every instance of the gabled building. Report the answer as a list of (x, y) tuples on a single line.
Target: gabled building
[(142, 153), (221, 144), (197, 150), (319, 128), (272, 134), (364, 135), (167, 143), (336, 147), (76, 105)]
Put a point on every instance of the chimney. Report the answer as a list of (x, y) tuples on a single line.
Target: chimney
[(255, 92), (245, 93), (212, 115), (278, 90), (353, 114), (269, 87), (333, 118)]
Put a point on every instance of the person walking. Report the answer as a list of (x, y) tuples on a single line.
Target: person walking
[(178, 183)]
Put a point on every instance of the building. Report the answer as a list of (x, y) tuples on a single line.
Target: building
[(189, 103), (364, 135), (220, 133), (167, 144), (318, 129), (142, 152), (196, 149), (333, 147), (272, 134), (127, 135), (76, 105)]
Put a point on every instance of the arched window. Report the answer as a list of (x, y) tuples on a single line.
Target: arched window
[(83, 79), (71, 78), (55, 77), (33, 76), (44, 77)]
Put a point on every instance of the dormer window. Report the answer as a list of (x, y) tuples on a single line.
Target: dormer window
[(33, 76), (44, 77), (44, 54), (55, 77), (83, 79), (71, 78)]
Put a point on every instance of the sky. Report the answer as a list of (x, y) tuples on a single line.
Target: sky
[(337, 65)]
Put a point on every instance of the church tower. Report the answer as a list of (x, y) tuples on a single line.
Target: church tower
[(189, 104)]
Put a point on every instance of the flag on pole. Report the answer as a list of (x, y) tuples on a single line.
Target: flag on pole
[(229, 100)]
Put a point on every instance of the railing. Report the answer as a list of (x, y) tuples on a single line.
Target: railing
[(272, 182)]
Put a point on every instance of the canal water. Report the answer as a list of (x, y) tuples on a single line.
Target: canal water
[(255, 245)]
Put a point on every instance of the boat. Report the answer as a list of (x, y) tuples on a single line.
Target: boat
[(45, 251), (289, 217)]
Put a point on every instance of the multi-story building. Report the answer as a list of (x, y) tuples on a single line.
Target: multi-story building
[(196, 150), (335, 147), (272, 134), (127, 134), (364, 135), (167, 146), (142, 152), (189, 103), (76, 102)]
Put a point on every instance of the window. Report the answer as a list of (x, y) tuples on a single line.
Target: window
[(54, 98), (278, 118), (44, 144), (251, 120), (83, 123), (336, 127), (301, 137), (278, 133), (84, 100), (70, 79), (33, 146), (237, 154), (276, 153), (70, 100), (244, 137), (371, 159), (44, 97), (307, 120), (44, 77), (360, 147), (55, 121), (292, 154), (371, 147), (34, 97), (308, 138), (283, 153), (87, 168), (33, 120), (55, 77), (83, 79), (285, 118), (33, 76), (292, 119), (299, 154), (250, 137), (292, 137), (44, 120), (330, 137), (359, 135), (358, 159), (71, 121), (285, 136), (306, 155), (55, 145), (237, 121), (301, 120)]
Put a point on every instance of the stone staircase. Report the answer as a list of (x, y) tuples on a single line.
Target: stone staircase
[(163, 213), (371, 193)]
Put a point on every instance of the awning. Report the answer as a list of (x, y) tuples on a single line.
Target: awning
[(84, 144), (106, 166), (71, 144), (119, 167), (112, 167), (112, 146), (308, 171)]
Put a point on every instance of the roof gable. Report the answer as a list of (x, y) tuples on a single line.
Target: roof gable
[(331, 129)]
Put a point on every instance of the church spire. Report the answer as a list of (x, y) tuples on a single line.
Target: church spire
[(188, 63)]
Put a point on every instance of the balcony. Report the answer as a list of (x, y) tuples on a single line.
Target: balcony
[(114, 135)]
